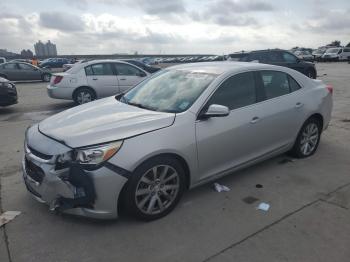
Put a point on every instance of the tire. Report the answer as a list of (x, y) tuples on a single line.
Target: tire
[(46, 77), (311, 73), (308, 139), (148, 196), (83, 95)]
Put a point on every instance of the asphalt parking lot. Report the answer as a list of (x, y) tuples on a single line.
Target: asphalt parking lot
[(308, 219)]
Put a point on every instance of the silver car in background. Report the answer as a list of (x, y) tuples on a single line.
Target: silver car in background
[(91, 80), (184, 126)]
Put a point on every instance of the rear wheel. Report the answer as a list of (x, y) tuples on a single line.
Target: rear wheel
[(311, 73), (155, 188), (84, 95), (308, 139)]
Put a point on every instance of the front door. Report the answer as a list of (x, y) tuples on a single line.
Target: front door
[(29, 72), (225, 142), (102, 78)]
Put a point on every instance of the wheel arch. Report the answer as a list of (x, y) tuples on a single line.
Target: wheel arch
[(317, 116), (179, 158), (80, 87)]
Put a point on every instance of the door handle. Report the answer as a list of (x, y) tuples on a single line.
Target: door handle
[(122, 79), (95, 79), (298, 105), (254, 120)]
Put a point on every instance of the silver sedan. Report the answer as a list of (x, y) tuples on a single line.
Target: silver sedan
[(184, 126)]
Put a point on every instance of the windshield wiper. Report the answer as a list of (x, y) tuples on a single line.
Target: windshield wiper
[(141, 106)]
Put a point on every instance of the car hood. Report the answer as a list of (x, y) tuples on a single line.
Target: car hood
[(102, 121)]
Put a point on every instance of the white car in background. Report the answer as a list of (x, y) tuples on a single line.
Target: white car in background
[(304, 55), (336, 54), (88, 81)]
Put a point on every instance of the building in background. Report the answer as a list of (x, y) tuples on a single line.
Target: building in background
[(26, 53), (45, 50), (8, 55)]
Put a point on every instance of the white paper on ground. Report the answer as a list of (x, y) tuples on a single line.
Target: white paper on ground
[(221, 188), (263, 206), (8, 216)]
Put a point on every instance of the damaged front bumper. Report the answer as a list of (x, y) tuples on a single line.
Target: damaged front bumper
[(49, 184)]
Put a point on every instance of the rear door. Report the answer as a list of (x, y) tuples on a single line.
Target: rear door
[(128, 76), (102, 78), (11, 70), (282, 112), (29, 72)]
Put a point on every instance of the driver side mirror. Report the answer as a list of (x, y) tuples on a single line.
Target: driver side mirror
[(215, 111)]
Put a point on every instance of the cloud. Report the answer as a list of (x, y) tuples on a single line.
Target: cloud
[(61, 21), (162, 6), (331, 21), (231, 6), (232, 13)]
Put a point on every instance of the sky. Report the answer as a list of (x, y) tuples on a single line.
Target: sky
[(172, 26)]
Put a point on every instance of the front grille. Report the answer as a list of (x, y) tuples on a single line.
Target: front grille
[(39, 154), (35, 172)]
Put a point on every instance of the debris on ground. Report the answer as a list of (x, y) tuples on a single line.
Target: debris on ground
[(221, 188), (263, 206), (250, 199), (8, 216), (259, 186), (286, 160)]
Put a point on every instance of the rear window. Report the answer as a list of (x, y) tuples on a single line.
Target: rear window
[(277, 84), (99, 69)]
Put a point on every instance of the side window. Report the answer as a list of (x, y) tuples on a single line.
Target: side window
[(274, 57), (346, 50), (10, 66), (99, 69), (25, 67), (237, 91), (127, 70), (293, 85), (288, 58), (274, 83)]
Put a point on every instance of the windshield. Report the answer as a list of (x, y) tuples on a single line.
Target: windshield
[(169, 91), (333, 50)]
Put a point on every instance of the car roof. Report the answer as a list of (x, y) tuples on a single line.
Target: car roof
[(222, 67), (104, 61)]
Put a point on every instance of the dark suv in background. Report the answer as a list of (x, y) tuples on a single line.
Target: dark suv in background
[(277, 57)]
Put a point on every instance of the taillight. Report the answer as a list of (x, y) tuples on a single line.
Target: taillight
[(330, 88), (57, 79)]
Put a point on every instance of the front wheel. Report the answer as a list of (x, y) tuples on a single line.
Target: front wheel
[(46, 77), (308, 139), (155, 188)]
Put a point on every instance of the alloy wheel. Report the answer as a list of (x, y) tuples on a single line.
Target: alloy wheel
[(157, 189), (309, 139), (47, 78), (84, 97)]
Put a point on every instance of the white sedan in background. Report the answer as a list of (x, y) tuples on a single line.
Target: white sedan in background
[(88, 81)]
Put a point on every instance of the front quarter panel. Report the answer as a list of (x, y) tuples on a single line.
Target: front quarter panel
[(178, 139)]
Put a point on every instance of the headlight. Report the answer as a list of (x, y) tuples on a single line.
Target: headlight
[(5, 84), (97, 154)]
